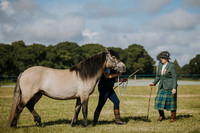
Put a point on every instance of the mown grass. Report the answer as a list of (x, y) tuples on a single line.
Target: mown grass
[(56, 115), (7, 82)]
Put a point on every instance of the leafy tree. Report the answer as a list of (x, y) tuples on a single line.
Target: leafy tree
[(136, 57), (91, 49), (178, 68), (195, 65), (35, 54), (67, 54), (6, 60), (18, 55), (18, 44), (50, 58), (185, 69)]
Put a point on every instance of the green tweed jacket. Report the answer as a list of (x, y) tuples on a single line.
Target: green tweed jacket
[(168, 80)]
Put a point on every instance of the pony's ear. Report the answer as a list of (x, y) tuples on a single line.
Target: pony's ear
[(108, 52)]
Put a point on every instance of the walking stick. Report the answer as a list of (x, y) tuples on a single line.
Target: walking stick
[(149, 102)]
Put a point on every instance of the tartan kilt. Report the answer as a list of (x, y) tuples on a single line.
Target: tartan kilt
[(165, 100)]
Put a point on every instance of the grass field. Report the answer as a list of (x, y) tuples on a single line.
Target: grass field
[(56, 115)]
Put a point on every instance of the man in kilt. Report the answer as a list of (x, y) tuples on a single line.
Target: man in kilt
[(167, 91)]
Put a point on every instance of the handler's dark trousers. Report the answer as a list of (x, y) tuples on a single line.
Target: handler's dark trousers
[(104, 94)]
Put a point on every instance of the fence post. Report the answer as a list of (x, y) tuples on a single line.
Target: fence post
[(135, 79)]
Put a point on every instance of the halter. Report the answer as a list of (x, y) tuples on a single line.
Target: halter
[(124, 87), (123, 83), (113, 62)]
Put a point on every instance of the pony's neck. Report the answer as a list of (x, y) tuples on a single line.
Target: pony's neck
[(100, 72), (93, 67)]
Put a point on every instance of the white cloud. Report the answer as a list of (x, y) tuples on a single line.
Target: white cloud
[(178, 20), (32, 24), (183, 45), (99, 10), (6, 6), (118, 28), (152, 6), (106, 23), (192, 3), (93, 37), (53, 30)]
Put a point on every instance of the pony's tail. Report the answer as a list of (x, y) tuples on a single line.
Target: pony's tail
[(16, 100)]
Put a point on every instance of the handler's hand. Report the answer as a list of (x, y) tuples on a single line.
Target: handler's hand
[(173, 91), (151, 84), (124, 80), (119, 74)]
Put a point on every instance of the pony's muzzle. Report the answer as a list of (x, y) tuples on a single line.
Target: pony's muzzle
[(121, 67)]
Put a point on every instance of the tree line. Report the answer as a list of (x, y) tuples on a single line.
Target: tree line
[(17, 57)]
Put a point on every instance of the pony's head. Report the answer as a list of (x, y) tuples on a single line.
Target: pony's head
[(113, 61)]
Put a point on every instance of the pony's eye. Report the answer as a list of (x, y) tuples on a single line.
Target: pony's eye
[(114, 57)]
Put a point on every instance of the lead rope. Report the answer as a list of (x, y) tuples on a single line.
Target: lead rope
[(124, 87)]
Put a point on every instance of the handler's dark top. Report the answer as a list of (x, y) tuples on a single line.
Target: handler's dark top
[(106, 91), (107, 82)]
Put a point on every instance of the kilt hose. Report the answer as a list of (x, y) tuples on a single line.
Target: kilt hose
[(165, 100)]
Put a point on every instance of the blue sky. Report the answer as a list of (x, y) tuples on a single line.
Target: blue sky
[(158, 25)]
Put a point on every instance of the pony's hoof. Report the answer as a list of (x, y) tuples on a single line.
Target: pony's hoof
[(13, 125), (39, 124), (74, 124), (84, 125)]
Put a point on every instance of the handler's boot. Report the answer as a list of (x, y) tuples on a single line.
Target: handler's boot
[(96, 117), (173, 116), (162, 115), (117, 117)]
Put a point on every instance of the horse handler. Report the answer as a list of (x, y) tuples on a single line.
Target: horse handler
[(106, 91), (167, 91)]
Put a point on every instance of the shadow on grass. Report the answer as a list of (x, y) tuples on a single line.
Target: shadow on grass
[(126, 119), (49, 123), (137, 118), (25, 126), (103, 122), (63, 121), (56, 122), (181, 117)]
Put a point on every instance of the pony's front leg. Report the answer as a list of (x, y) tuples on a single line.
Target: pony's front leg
[(84, 102), (77, 110)]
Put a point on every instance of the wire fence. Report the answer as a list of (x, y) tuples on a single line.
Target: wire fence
[(138, 76), (180, 76)]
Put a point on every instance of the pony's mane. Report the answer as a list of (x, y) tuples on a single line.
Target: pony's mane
[(89, 67)]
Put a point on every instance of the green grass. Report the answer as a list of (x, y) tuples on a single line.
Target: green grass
[(56, 115), (7, 82)]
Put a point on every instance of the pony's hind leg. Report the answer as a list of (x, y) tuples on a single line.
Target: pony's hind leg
[(30, 105), (77, 110), (17, 105), (18, 110)]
